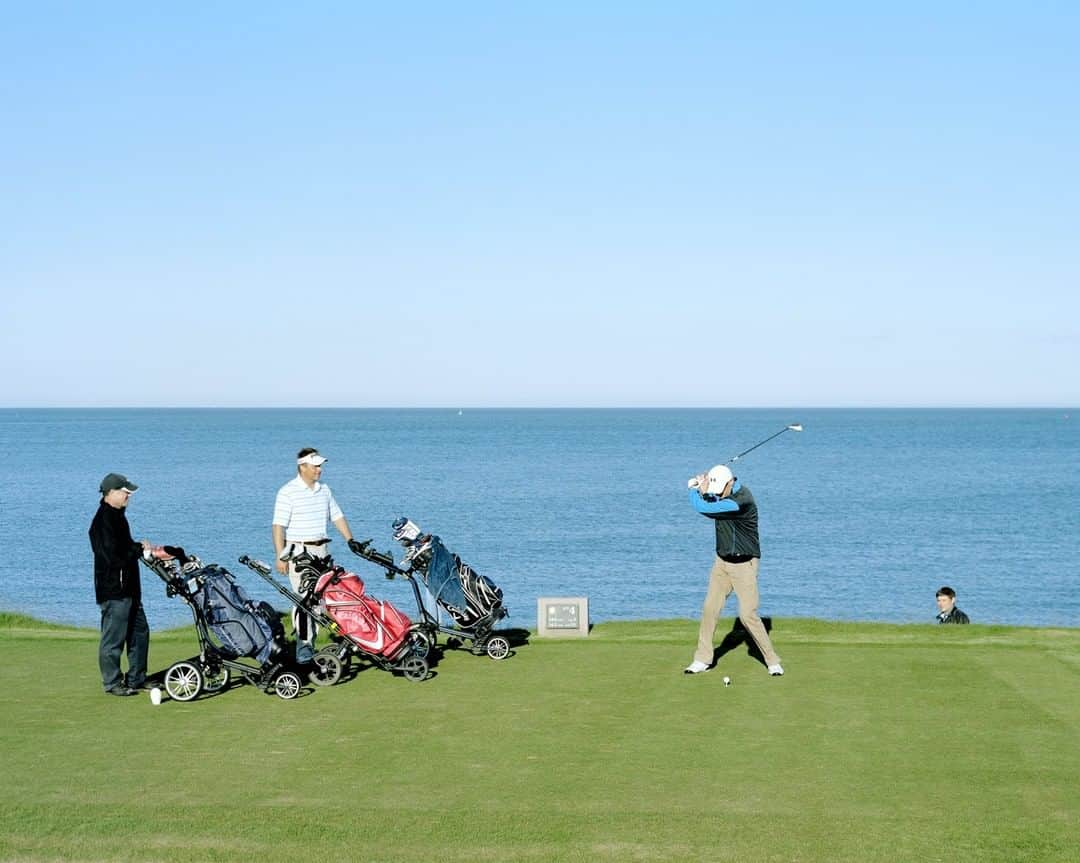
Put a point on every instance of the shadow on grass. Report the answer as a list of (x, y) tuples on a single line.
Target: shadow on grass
[(738, 637), (517, 636)]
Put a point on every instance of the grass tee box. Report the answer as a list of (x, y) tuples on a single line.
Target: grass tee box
[(562, 617), (880, 743)]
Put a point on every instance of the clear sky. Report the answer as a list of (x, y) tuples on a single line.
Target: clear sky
[(564, 204)]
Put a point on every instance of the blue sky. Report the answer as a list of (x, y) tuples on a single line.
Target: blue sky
[(488, 204)]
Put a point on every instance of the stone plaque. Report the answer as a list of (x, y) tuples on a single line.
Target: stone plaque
[(561, 616)]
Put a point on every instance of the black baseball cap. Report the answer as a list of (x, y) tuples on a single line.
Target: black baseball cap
[(114, 481)]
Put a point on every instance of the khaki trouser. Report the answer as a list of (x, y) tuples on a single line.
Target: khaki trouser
[(742, 578)]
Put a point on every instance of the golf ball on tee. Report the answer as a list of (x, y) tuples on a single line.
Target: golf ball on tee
[(727, 680)]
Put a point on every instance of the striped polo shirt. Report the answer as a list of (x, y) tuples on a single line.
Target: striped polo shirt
[(303, 511)]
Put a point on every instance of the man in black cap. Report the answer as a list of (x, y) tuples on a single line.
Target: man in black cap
[(117, 589)]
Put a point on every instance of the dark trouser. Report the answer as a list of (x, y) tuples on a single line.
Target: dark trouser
[(123, 624)]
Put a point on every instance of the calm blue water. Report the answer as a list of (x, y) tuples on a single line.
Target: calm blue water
[(863, 515)]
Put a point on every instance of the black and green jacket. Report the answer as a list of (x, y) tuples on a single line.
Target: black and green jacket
[(735, 518)]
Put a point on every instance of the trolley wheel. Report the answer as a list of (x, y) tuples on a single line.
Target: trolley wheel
[(498, 647), (326, 668), (287, 685), (215, 680), (421, 641), (342, 649), (183, 681), (415, 668)]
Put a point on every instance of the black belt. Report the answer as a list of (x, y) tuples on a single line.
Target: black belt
[(736, 558), (309, 541)]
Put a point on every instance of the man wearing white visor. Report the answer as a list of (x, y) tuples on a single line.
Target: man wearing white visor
[(301, 510)]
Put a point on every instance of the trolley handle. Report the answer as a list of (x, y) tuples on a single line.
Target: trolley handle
[(382, 558), (256, 565)]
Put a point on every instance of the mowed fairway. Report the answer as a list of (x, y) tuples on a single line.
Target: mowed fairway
[(882, 743)]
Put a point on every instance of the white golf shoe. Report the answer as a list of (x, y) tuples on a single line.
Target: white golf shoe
[(776, 670), (696, 667)]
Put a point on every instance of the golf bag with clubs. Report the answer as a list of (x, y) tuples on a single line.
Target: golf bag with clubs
[(359, 624), (231, 627), (472, 601)]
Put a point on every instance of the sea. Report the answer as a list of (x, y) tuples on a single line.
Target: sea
[(863, 515)]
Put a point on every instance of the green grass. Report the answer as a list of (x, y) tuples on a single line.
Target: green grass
[(882, 743)]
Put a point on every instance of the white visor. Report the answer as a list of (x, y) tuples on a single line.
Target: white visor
[(312, 459)]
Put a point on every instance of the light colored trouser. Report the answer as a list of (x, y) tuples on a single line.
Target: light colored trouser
[(304, 626), (742, 578)]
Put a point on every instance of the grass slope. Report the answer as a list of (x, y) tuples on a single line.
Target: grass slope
[(882, 743)]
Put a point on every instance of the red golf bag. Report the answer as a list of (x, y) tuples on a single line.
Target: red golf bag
[(376, 626)]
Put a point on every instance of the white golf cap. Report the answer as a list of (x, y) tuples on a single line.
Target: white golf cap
[(312, 458), (719, 477)]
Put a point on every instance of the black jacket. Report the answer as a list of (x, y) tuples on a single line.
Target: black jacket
[(116, 555), (954, 616)]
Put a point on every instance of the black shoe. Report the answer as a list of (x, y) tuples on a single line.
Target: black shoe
[(120, 690)]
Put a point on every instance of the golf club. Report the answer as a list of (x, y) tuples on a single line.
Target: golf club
[(795, 427)]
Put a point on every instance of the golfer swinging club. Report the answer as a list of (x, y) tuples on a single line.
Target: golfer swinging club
[(719, 496)]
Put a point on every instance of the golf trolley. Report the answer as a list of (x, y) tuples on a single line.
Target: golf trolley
[(472, 601), (230, 628), (360, 625)]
